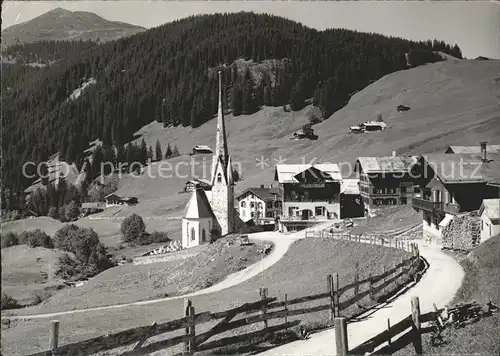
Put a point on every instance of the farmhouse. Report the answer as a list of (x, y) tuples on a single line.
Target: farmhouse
[(473, 149), (115, 200), (201, 149), (194, 184), (309, 193), (262, 205), (373, 126), (458, 183), (490, 218), (211, 213), (89, 208), (386, 180)]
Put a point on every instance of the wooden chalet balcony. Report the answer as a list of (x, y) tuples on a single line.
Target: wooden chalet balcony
[(427, 205)]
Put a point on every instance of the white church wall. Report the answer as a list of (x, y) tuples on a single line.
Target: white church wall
[(195, 232)]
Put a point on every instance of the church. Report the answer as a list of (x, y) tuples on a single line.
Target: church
[(210, 214)]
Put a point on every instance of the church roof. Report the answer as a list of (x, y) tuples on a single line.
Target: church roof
[(198, 206)]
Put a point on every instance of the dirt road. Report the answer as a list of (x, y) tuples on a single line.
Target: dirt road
[(281, 244), (438, 285)]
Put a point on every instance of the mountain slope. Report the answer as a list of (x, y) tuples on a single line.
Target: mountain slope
[(163, 74), (451, 103), (61, 24)]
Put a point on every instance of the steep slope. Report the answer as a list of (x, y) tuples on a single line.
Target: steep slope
[(61, 24), (451, 103), (162, 74)]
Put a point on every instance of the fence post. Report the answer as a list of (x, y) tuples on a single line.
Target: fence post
[(341, 343), (415, 315), (389, 331), (356, 279), (189, 346), (263, 295), (371, 286), (54, 336), (337, 296), (286, 308), (329, 286), (384, 270)]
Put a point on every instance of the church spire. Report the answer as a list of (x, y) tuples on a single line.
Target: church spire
[(221, 142)]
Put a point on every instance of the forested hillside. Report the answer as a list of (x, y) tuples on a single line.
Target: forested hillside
[(164, 74)]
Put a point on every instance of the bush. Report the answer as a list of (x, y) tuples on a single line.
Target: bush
[(159, 236), (35, 238), (91, 256), (9, 239), (8, 302), (53, 212), (71, 211), (133, 228)]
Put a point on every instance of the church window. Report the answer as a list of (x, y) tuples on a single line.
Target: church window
[(219, 177), (192, 234), (203, 235)]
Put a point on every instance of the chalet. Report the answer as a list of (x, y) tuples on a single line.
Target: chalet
[(309, 194), (357, 128), (194, 184), (351, 203), (201, 149), (402, 108), (386, 180), (114, 200), (490, 218), (303, 133), (262, 205), (457, 183), (91, 208)]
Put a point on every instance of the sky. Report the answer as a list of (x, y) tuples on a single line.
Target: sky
[(473, 25)]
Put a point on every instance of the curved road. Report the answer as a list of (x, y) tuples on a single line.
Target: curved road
[(438, 285), (281, 244)]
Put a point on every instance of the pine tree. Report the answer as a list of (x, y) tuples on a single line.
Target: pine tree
[(175, 151), (150, 154), (168, 152), (143, 153), (159, 154)]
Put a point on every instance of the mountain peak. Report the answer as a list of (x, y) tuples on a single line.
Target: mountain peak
[(62, 24)]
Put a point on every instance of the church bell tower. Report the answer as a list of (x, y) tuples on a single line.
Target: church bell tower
[(222, 176)]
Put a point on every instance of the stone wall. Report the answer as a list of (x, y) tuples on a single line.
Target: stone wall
[(462, 233)]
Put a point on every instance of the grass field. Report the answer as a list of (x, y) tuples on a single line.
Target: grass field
[(389, 218), (131, 283), (302, 271), (22, 277), (481, 283)]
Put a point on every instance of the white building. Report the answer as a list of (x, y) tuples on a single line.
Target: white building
[(211, 213), (490, 218), (262, 205)]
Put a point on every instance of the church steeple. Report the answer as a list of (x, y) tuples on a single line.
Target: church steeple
[(221, 141)]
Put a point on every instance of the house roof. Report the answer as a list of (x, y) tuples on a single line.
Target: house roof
[(374, 123), (464, 168), (262, 193), (202, 147), (112, 195), (492, 209), (472, 149), (198, 206), (387, 164), (285, 173), (349, 186)]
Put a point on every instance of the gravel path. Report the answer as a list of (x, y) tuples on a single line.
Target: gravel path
[(281, 244), (438, 285)]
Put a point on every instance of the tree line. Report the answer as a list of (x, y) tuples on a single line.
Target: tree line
[(162, 74)]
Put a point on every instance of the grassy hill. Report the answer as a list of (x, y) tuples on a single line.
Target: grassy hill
[(452, 102), (61, 24)]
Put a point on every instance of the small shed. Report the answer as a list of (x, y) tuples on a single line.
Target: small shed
[(374, 126), (201, 149), (401, 108)]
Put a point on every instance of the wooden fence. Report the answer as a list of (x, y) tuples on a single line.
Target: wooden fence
[(407, 331), (372, 239), (263, 310)]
